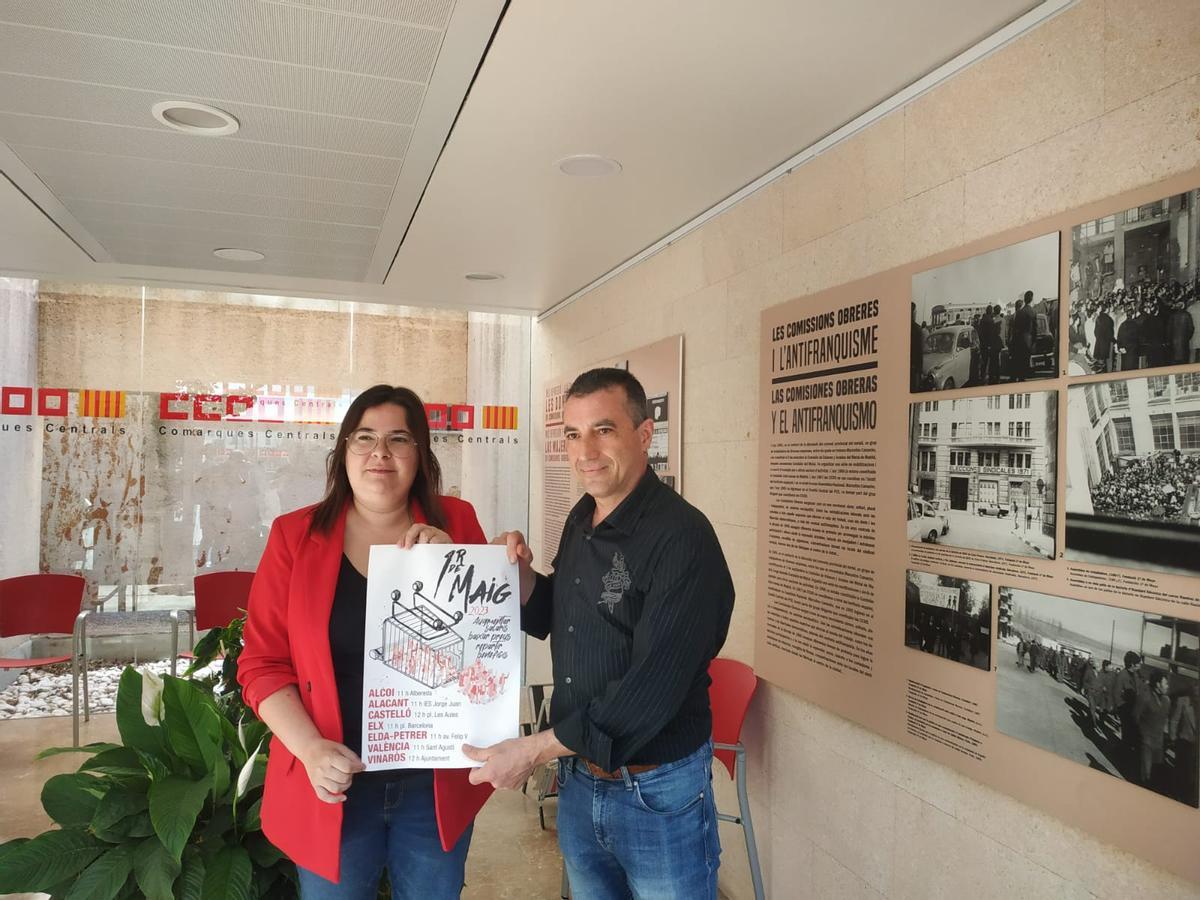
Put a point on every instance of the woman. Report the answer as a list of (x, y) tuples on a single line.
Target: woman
[(302, 668)]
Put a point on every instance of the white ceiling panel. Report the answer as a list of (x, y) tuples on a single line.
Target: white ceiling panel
[(180, 72), (37, 96), (117, 174), (96, 213), (283, 32), (72, 188), (189, 235), (163, 143)]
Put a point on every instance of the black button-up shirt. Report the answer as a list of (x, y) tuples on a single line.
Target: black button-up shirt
[(637, 606)]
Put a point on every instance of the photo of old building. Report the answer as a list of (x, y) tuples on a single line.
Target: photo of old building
[(985, 466), (1133, 287), (1133, 472)]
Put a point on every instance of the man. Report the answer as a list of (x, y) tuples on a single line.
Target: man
[(1025, 327), (1105, 333), (638, 605), (995, 344), (1129, 340), (986, 329)]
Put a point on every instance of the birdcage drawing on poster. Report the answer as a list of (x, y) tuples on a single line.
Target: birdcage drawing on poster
[(418, 640)]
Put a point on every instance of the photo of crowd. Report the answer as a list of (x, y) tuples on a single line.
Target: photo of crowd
[(949, 617), (1110, 688), (1133, 472), (989, 319), (1133, 298)]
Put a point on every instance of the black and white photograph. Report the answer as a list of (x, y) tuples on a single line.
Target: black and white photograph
[(1133, 288), (1109, 688), (1133, 473), (949, 617), (981, 472), (990, 319)]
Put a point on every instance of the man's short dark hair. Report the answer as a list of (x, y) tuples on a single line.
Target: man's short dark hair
[(602, 379)]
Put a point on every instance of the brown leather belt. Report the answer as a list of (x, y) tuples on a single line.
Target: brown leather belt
[(598, 772)]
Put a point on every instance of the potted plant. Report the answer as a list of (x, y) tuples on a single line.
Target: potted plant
[(170, 812)]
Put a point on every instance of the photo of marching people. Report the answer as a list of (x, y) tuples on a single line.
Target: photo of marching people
[(1133, 473), (1112, 689), (949, 617), (990, 319), (981, 472), (1133, 288)]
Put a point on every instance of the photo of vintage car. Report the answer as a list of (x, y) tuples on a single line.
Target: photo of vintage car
[(992, 509), (946, 362)]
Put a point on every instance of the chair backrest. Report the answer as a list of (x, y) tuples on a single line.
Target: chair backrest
[(221, 597), (733, 684), (35, 604)]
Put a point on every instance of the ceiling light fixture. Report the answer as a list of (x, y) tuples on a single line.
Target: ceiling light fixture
[(483, 276), (238, 254), (588, 165), (195, 118)]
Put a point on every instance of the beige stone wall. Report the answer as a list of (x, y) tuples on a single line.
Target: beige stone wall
[(1103, 98)]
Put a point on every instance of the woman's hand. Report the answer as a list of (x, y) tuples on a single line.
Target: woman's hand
[(423, 534), (331, 767)]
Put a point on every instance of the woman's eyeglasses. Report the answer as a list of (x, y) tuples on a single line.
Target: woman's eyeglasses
[(400, 444)]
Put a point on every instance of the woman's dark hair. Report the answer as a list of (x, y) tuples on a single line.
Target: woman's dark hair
[(426, 486)]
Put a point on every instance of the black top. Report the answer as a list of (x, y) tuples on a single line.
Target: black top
[(637, 606), (347, 622)]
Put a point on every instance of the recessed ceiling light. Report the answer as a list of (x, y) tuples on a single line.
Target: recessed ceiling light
[(588, 165), (194, 118), (237, 254), (483, 276)]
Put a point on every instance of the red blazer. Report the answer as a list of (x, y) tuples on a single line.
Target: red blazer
[(287, 642)]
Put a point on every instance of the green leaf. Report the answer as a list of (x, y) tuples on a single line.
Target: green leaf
[(233, 742), (105, 877), (114, 761), (155, 870), (95, 747), (154, 767), (205, 651), (119, 804), (191, 879), (135, 732), (261, 850), (193, 726), (72, 799), (48, 859), (228, 875), (253, 820), (174, 805)]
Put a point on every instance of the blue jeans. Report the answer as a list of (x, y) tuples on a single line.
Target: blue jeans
[(651, 836), (392, 823)]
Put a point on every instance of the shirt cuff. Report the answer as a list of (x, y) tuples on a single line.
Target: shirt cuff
[(577, 733)]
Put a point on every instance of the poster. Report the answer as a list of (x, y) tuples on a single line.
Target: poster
[(1042, 519), (442, 651)]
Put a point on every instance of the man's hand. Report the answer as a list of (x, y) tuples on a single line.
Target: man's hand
[(508, 765), (519, 553), (331, 767)]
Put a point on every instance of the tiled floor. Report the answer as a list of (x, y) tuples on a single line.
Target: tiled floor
[(511, 857)]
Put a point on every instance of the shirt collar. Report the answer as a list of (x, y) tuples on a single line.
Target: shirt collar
[(625, 517)]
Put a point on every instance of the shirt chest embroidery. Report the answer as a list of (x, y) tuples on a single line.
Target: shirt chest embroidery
[(616, 582)]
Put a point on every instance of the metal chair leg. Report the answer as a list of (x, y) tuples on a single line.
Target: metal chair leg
[(565, 892), (174, 641), (747, 822)]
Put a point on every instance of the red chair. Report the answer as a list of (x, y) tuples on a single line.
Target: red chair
[(733, 686), (221, 597), (47, 604)]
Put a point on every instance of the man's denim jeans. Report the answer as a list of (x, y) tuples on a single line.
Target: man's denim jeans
[(651, 836), (392, 824)]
